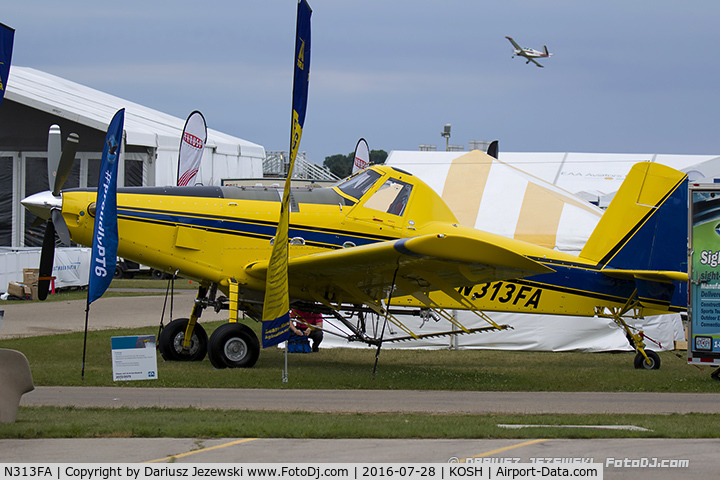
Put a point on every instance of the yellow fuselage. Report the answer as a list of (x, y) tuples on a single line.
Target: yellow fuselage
[(211, 234)]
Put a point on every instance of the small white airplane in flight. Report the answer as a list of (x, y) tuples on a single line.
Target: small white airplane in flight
[(529, 53)]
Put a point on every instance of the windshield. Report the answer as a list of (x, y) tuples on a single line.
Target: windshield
[(359, 184), (392, 197)]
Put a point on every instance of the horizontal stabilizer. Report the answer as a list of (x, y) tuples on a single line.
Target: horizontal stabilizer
[(649, 275)]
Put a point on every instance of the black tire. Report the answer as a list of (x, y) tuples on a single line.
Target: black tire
[(158, 274), (172, 337), (119, 272), (640, 362), (233, 345)]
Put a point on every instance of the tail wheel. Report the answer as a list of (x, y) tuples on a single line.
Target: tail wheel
[(233, 345), (172, 338), (641, 363)]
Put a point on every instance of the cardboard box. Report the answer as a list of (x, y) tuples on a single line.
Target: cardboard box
[(30, 276), (18, 289)]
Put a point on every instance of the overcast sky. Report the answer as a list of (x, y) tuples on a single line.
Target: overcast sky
[(635, 76)]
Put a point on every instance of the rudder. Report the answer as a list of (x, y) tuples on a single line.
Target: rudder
[(645, 226)]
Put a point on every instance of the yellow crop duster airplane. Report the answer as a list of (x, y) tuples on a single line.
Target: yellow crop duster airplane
[(380, 240)]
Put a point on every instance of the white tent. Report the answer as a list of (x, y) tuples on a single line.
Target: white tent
[(491, 195), (35, 100), (224, 157), (600, 174)]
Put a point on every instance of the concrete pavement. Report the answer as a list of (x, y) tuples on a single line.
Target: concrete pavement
[(375, 401), (50, 318)]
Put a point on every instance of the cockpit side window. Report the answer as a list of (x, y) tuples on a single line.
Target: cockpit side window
[(391, 198), (357, 185)]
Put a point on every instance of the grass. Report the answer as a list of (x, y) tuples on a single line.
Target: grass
[(70, 422), (57, 360), (147, 282)]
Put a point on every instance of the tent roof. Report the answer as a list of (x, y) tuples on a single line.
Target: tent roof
[(93, 108), (491, 195)]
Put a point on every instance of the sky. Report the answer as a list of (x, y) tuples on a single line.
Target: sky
[(625, 77)]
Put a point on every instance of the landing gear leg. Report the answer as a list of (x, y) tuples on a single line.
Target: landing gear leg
[(644, 359), (196, 313), (233, 344), (184, 339)]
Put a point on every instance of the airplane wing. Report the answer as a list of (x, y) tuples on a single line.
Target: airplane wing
[(514, 44), (533, 60), (365, 274)]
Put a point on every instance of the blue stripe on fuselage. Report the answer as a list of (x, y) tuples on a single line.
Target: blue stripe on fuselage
[(326, 238), (592, 282)]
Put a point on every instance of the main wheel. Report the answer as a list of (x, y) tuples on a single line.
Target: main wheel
[(233, 345), (654, 358), (158, 274), (172, 337), (119, 272)]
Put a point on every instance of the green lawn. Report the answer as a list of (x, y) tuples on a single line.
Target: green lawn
[(52, 422), (57, 360)]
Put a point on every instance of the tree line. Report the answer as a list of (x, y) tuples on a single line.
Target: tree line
[(341, 165)]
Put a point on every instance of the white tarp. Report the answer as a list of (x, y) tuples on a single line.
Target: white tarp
[(551, 333), (71, 267)]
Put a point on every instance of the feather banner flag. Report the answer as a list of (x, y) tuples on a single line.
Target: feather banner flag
[(7, 35), (192, 145), (276, 309), (362, 156), (105, 235)]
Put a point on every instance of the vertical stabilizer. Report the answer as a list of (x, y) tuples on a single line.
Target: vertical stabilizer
[(645, 226)]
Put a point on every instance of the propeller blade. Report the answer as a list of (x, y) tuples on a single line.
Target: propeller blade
[(54, 152), (47, 256), (60, 226), (38, 221), (66, 162)]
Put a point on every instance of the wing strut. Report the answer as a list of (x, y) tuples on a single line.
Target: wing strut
[(387, 314), (373, 305), (448, 290)]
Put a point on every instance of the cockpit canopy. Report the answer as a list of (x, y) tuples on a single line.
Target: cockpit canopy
[(392, 196)]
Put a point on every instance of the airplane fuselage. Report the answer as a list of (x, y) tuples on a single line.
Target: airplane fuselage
[(212, 234)]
